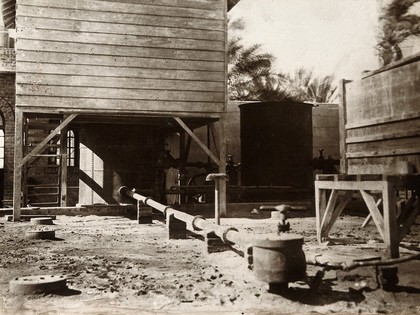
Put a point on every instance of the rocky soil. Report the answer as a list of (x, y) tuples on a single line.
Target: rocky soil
[(116, 266)]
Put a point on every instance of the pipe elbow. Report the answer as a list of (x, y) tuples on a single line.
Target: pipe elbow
[(215, 176)]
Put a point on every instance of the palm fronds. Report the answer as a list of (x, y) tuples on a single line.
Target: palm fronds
[(396, 25)]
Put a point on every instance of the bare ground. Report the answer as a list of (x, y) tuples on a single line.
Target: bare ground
[(116, 266)]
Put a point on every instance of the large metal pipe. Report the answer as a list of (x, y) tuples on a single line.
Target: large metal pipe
[(277, 259), (226, 233)]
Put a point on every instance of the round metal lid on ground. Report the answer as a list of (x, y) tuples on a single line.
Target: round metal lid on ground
[(40, 234), (42, 221), (38, 284)]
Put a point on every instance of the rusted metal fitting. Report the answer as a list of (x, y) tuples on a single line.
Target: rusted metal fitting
[(224, 239), (194, 224), (216, 176)]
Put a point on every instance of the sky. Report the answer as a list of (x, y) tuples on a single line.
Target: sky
[(329, 36)]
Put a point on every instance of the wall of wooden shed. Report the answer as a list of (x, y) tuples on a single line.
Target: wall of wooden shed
[(126, 56)]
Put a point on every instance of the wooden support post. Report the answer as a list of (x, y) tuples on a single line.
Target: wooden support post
[(390, 219), (222, 168), (326, 218), (320, 205), (412, 208), (17, 176), (342, 114), (63, 167)]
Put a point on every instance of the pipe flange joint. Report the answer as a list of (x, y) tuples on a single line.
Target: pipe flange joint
[(225, 232), (146, 199), (165, 210), (193, 223)]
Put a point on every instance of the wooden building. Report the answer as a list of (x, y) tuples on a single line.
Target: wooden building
[(102, 84)]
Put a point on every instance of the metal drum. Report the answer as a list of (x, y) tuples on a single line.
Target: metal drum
[(279, 259)]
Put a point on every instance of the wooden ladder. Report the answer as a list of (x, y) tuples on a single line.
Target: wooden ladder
[(41, 175)]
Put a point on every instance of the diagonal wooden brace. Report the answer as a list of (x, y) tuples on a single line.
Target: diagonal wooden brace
[(374, 212), (198, 141), (336, 213), (44, 142)]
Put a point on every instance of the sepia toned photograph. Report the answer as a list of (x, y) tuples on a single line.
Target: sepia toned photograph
[(231, 157)]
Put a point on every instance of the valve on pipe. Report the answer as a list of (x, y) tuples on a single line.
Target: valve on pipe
[(280, 213)]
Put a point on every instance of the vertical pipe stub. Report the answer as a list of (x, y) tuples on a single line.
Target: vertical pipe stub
[(217, 178), (279, 259)]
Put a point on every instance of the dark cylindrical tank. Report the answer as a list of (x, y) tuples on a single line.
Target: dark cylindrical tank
[(276, 144)]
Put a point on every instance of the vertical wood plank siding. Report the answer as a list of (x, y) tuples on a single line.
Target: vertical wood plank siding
[(383, 121), (126, 55)]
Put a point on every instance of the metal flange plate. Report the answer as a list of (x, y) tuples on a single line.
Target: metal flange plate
[(38, 284)]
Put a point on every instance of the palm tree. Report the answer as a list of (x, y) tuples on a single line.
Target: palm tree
[(302, 85), (272, 88), (246, 67), (396, 25), (321, 90)]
